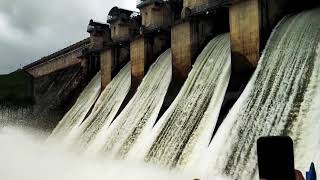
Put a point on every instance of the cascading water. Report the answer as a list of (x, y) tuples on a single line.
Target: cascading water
[(140, 113), (280, 99), (186, 128), (79, 110), (14, 115), (105, 109)]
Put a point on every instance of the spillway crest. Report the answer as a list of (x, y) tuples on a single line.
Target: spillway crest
[(281, 99), (139, 114), (79, 110), (185, 129)]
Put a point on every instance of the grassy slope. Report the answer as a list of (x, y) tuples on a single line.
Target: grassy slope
[(16, 87)]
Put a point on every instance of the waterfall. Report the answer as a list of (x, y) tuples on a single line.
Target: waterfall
[(140, 113), (14, 115), (105, 109), (282, 98), (186, 128), (79, 110)]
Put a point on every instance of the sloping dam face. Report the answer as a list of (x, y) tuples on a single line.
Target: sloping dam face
[(103, 112), (139, 114), (74, 117), (281, 99), (185, 129), (39, 102)]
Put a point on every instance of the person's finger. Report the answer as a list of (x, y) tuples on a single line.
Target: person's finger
[(299, 175)]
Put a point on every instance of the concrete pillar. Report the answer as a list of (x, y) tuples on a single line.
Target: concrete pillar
[(106, 59), (245, 23), (141, 59), (155, 14), (195, 3), (85, 68), (99, 33), (251, 22), (183, 46)]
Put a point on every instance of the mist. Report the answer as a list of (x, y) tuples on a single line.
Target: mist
[(24, 155)]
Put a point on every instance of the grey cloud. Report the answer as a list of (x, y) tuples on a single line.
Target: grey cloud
[(36, 28)]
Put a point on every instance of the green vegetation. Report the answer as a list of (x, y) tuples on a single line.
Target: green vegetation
[(16, 88)]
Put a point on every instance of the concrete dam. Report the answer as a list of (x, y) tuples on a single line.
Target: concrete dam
[(185, 85)]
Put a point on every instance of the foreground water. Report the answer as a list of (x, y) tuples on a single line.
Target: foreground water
[(24, 156), (281, 99)]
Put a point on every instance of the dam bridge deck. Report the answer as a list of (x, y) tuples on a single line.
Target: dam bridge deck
[(59, 60)]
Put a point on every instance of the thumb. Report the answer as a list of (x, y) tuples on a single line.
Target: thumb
[(299, 175)]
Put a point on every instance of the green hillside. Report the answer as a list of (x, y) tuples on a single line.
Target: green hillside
[(16, 87)]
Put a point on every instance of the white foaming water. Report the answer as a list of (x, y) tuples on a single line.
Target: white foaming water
[(25, 156), (310, 139), (104, 111), (282, 98), (185, 130), (79, 110), (140, 113), (14, 116)]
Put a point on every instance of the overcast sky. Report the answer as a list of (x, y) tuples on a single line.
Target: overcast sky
[(31, 29)]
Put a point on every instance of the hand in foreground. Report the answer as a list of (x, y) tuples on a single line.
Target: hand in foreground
[(299, 175)]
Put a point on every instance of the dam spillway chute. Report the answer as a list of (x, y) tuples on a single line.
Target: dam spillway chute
[(280, 99), (185, 129), (74, 117), (139, 114), (104, 111)]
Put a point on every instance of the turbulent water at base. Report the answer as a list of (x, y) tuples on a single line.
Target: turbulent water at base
[(14, 115), (27, 158), (282, 98), (79, 110), (104, 111), (186, 128), (140, 113)]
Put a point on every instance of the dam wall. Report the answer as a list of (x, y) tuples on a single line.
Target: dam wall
[(39, 102), (185, 26)]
